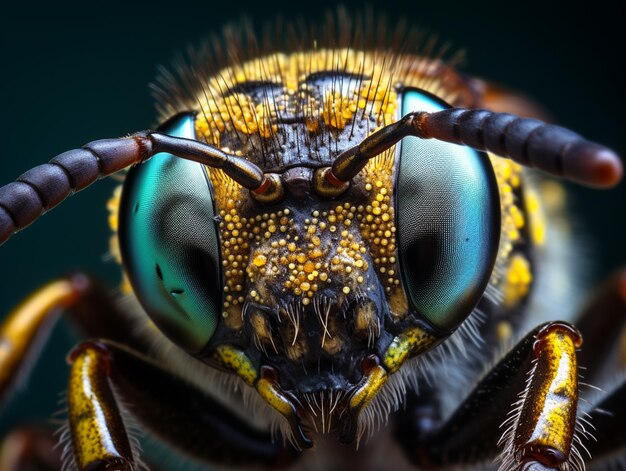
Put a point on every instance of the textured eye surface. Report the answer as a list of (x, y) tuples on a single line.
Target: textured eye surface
[(169, 243), (448, 216)]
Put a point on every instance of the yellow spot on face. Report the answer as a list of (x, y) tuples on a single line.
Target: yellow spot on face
[(260, 260), (274, 397), (236, 361), (408, 344), (375, 380), (332, 345), (504, 331), (518, 279), (346, 290), (554, 196)]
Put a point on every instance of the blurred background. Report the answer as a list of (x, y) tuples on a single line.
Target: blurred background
[(75, 72)]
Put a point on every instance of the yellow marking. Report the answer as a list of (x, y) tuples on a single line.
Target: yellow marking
[(113, 205), (259, 260), (274, 397), (261, 328), (236, 361), (372, 96), (372, 384), (504, 331), (518, 280), (410, 343), (548, 414), (332, 345), (547, 203), (96, 426), (297, 348), (365, 318), (21, 326), (338, 110), (508, 175), (332, 341), (553, 196)]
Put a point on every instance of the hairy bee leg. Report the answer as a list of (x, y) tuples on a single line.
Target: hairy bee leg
[(539, 430), (602, 324), (26, 327), (32, 448), (175, 411), (88, 304), (98, 436)]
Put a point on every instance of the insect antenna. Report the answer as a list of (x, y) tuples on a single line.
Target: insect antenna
[(45, 186), (529, 142)]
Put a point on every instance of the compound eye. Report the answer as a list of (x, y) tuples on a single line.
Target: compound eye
[(169, 243), (448, 218)]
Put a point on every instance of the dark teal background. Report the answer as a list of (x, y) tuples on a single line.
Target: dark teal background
[(71, 73)]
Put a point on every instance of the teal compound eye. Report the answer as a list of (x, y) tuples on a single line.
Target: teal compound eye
[(448, 218), (169, 243)]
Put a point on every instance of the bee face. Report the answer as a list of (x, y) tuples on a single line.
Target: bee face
[(318, 287), (267, 318)]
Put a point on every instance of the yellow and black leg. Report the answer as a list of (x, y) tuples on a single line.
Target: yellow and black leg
[(179, 413), (22, 334), (86, 303), (25, 328), (539, 432), (175, 411)]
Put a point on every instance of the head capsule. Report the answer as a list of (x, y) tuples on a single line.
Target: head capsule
[(314, 299)]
